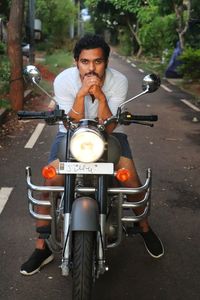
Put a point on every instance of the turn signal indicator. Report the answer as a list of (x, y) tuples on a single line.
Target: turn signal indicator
[(122, 174), (48, 172)]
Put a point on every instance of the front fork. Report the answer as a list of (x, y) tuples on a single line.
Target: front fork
[(102, 200), (101, 196), (68, 200)]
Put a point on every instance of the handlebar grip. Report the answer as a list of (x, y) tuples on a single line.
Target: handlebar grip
[(151, 118), (31, 115)]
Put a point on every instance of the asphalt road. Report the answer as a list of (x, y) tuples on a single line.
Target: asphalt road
[(171, 149)]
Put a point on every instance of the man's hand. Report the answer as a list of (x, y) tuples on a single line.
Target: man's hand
[(91, 84)]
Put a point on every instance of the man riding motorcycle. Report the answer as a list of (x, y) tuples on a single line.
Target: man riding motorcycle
[(90, 90)]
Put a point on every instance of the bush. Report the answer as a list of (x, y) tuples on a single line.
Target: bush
[(2, 48), (190, 67), (4, 76), (125, 44), (158, 35)]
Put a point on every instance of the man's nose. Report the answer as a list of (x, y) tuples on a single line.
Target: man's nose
[(91, 66)]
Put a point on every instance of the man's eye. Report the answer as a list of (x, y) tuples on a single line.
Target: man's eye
[(98, 61), (84, 61)]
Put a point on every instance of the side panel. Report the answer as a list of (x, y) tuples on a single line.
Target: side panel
[(85, 215)]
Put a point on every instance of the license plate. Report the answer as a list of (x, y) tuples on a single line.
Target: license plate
[(85, 168)]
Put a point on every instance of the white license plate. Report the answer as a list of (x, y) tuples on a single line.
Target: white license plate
[(85, 168)]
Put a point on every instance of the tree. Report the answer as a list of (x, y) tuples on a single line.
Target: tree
[(15, 53), (182, 11), (4, 9), (56, 16), (125, 13)]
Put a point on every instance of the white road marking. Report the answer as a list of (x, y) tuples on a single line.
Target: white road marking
[(33, 139), (142, 71), (4, 195), (128, 61), (166, 88), (190, 105), (133, 65)]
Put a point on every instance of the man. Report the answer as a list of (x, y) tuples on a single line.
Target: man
[(90, 90)]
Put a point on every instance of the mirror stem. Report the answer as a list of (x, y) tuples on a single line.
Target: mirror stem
[(135, 97), (43, 90)]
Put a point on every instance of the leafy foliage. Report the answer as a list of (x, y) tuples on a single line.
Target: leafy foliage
[(4, 75), (2, 48), (56, 16), (4, 9), (190, 67), (163, 21), (161, 30), (125, 42)]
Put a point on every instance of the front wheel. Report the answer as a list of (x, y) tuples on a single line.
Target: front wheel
[(83, 264)]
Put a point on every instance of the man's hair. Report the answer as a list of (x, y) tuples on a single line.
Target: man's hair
[(91, 41)]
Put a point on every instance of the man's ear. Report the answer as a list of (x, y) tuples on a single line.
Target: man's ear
[(76, 62)]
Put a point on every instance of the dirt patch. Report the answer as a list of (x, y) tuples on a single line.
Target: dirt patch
[(12, 124), (45, 73)]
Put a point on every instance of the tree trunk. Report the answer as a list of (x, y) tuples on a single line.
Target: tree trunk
[(183, 24), (134, 33), (15, 54)]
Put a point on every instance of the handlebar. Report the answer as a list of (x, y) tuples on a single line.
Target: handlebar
[(51, 117), (31, 115), (150, 118), (127, 118)]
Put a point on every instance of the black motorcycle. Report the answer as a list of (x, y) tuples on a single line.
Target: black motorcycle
[(89, 213)]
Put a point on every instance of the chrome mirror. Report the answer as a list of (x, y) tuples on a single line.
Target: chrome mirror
[(150, 83), (31, 74)]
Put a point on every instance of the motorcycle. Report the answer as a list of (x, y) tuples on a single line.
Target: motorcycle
[(89, 213)]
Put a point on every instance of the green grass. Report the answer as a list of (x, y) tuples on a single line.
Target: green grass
[(152, 65), (4, 103), (59, 60)]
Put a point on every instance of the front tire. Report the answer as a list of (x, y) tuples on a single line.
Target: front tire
[(83, 263)]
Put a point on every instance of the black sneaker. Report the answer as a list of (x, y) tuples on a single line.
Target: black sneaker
[(152, 243), (37, 260)]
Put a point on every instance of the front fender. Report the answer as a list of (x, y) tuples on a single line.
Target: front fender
[(85, 215)]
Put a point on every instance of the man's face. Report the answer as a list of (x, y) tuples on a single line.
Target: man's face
[(91, 62)]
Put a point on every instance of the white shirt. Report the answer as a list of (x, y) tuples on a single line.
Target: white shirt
[(68, 83)]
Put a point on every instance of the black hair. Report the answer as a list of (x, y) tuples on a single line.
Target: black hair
[(91, 41)]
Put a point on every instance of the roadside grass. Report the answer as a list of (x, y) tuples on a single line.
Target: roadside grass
[(152, 65), (58, 61)]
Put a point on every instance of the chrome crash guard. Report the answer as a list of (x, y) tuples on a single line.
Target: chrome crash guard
[(123, 205)]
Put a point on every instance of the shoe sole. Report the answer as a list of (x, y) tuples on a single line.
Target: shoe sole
[(154, 256), (45, 262)]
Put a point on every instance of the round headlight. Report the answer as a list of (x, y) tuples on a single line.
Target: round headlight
[(87, 145)]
